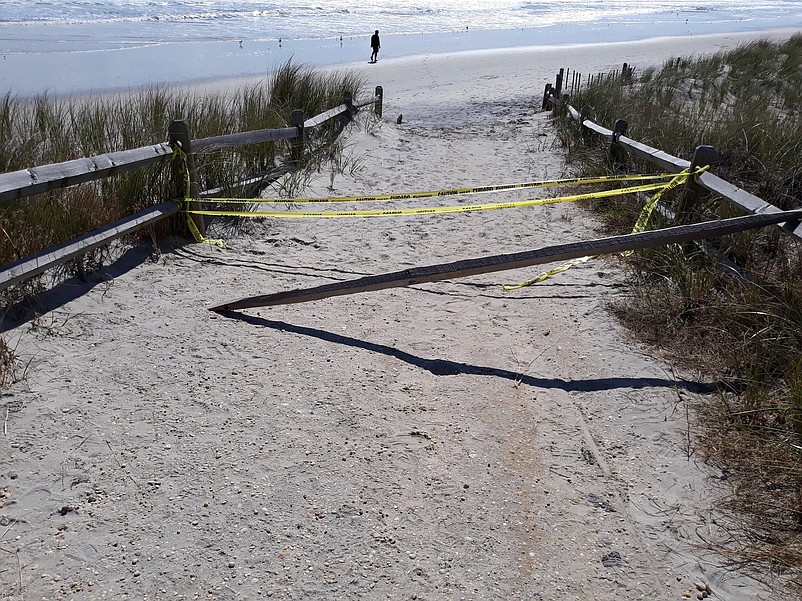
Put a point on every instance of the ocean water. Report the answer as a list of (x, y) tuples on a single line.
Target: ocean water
[(69, 46)]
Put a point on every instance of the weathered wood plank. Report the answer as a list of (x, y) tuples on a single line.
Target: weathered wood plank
[(740, 197), (13, 273), (732, 193), (323, 117), (607, 133), (745, 200), (264, 135), (574, 113), (655, 155), (37, 180), (256, 136), (366, 102), (560, 252)]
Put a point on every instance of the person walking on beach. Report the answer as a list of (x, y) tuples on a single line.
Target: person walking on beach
[(375, 44)]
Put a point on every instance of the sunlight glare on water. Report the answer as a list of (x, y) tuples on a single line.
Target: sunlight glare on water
[(68, 45)]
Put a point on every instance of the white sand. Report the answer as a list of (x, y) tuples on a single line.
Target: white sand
[(447, 441)]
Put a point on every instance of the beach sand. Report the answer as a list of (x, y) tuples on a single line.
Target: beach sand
[(444, 441)]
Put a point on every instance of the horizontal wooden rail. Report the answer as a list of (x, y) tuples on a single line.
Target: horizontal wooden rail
[(256, 136), (654, 155), (37, 180), (13, 273), (366, 102), (658, 157), (268, 135), (753, 204), (549, 254), (322, 117), (735, 195)]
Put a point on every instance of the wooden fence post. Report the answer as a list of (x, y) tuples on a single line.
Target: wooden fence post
[(297, 144), (377, 106), (178, 135), (703, 156), (349, 114), (558, 88), (618, 156), (348, 101), (546, 96), (584, 114)]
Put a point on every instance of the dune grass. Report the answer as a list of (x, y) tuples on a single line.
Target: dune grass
[(746, 103)]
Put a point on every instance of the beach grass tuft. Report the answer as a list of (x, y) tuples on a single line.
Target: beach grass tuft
[(745, 332)]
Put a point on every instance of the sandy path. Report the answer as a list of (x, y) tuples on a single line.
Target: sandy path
[(448, 441)]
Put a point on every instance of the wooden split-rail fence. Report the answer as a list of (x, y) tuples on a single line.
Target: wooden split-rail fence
[(38, 180), (759, 214), (17, 185), (704, 156)]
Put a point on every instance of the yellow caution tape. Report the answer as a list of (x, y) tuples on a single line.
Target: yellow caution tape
[(449, 192), (639, 226), (200, 238), (648, 208), (432, 210), (547, 274), (180, 155)]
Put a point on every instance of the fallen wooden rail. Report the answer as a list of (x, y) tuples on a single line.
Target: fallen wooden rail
[(559, 252)]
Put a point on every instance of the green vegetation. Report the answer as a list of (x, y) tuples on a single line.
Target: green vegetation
[(746, 103), (48, 130)]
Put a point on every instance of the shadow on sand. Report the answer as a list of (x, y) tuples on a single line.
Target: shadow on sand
[(444, 367)]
